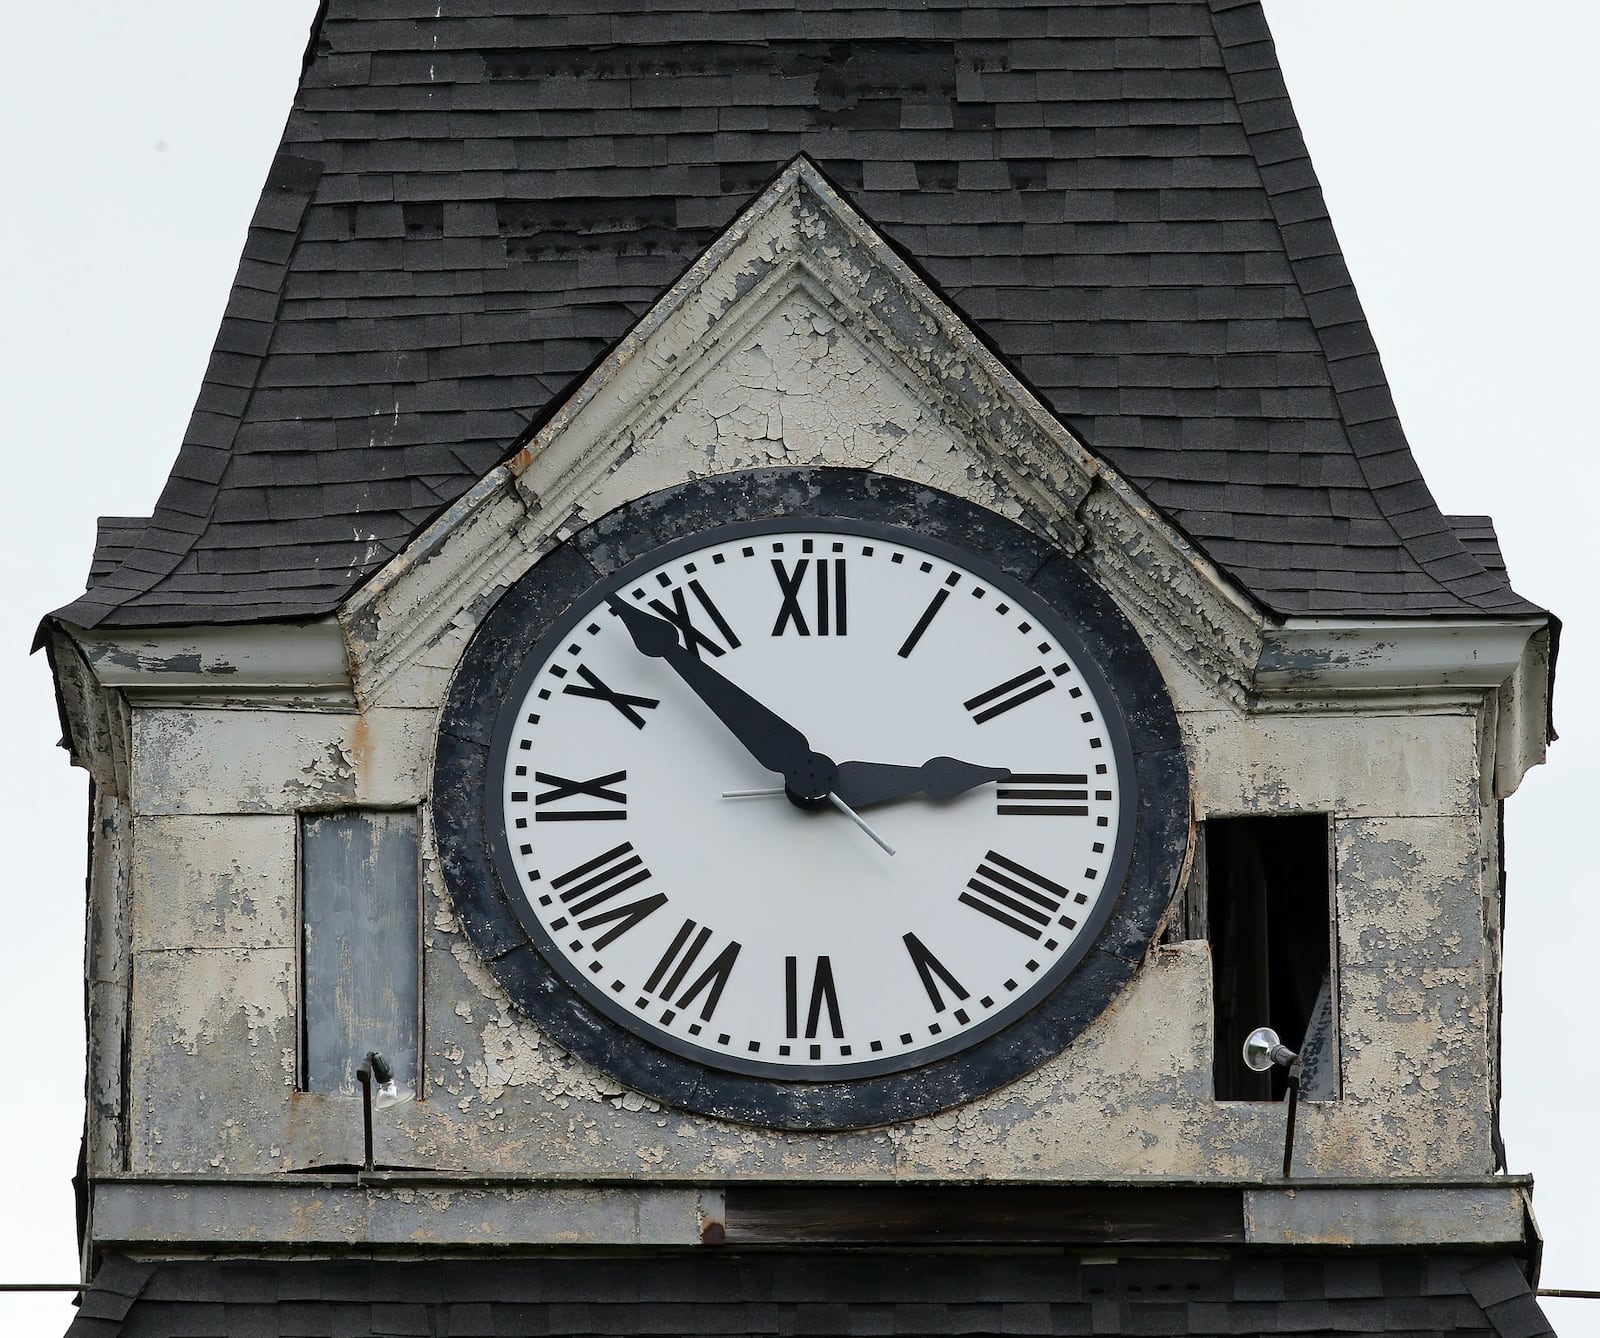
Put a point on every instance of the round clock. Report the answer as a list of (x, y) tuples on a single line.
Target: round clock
[(809, 818)]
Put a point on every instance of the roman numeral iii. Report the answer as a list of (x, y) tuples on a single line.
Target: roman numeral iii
[(822, 995), (558, 788), (1014, 895), (1043, 795), (827, 587)]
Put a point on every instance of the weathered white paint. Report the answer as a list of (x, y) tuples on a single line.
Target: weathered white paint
[(214, 882), (213, 1043), (1371, 765), (304, 663), (234, 761), (388, 1211), (398, 1211), (1382, 1215), (799, 338)]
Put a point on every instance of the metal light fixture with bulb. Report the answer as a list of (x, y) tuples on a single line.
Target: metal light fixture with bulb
[(1263, 1050), (376, 1070)]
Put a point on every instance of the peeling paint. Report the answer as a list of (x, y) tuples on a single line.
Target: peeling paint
[(799, 339)]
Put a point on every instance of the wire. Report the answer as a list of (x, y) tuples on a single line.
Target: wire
[(44, 1286)]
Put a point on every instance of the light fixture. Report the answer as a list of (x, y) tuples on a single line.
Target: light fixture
[(1263, 1050), (376, 1070)]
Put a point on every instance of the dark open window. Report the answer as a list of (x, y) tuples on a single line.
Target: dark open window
[(1266, 907), (360, 946)]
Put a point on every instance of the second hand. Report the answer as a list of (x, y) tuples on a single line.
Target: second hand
[(833, 799)]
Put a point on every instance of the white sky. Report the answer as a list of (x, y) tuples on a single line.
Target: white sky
[(1457, 148)]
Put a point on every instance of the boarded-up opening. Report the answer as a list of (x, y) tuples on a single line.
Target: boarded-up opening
[(359, 946), (1268, 915)]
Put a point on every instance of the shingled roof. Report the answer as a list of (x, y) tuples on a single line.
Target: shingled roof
[(473, 202), (815, 1294)]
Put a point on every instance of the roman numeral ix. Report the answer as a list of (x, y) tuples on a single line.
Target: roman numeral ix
[(595, 686), (1014, 895), (680, 958), (562, 787), (595, 882), (828, 593)]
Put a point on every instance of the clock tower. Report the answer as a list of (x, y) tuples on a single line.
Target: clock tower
[(771, 641)]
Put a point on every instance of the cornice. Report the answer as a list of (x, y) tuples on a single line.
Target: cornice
[(286, 665)]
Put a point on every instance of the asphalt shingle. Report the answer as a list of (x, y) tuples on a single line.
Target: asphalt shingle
[(814, 1294), (470, 208)]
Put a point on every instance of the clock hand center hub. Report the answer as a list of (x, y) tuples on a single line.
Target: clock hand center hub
[(808, 783)]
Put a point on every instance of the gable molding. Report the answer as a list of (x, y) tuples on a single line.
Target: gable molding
[(801, 237)]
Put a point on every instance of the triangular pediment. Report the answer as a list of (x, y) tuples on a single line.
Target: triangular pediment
[(801, 338)]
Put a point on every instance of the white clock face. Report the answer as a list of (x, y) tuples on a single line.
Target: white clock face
[(677, 886)]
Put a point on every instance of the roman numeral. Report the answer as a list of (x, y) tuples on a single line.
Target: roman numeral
[(595, 686), (1044, 795), (1014, 895), (600, 880), (931, 971), (823, 995), (1013, 692), (562, 787), (680, 958), (693, 638), (828, 596), (928, 615)]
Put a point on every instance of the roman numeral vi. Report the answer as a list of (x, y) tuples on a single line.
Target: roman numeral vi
[(823, 995)]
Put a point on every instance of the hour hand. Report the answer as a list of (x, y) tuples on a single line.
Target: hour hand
[(862, 783)]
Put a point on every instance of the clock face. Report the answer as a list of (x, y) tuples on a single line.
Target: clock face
[(671, 878), (811, 821)]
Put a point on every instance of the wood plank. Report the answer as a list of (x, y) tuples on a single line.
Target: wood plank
[(974, 1215)]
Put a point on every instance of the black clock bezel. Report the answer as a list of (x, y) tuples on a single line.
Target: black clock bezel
[(541, 607)]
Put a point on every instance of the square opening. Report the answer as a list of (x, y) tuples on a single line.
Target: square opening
[(1267, 911)]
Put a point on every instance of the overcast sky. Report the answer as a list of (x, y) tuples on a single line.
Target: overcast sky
[(1457, 146)]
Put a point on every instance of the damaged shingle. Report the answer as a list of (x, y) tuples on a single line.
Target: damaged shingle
[(468, 210)]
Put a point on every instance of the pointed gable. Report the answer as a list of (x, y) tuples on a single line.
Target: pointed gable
[(469, 211)]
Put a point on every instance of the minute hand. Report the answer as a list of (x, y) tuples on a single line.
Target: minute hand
[(765, 735), (862, 783)]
